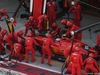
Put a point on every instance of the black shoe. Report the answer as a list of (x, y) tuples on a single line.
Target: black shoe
[(49, 64)]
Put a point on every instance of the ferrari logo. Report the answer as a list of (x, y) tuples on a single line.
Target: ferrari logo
[(74, 57), (28, 41), (16, 47), (90, 59)]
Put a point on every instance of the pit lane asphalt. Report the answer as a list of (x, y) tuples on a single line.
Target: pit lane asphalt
[(11, 6)]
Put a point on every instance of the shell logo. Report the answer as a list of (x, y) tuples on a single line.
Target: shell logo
[(55, 50)]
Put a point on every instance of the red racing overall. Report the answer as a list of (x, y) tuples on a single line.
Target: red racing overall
[(29, 47), (91, 64), (30, 24), (16, 52), (46, 49), (42, 20), (51, 6), (76, 58), (76, 9), (9, 38), (3, 13)]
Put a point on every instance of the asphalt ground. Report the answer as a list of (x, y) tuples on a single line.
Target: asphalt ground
[(11, 6)]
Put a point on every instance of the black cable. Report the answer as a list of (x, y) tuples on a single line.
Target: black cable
[(64, 64)]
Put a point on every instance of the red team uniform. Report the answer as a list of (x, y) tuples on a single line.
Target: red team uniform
[(3, 32), (77, 61), (29, 41), (46, 48), (55, 30), (3, 13), (9, 38), (76, 9), (91, 64), (72, 27), (42, 20), (30, 25), (51, 6), (16, 52)]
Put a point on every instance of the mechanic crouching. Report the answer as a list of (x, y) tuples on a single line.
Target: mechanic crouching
[(91, 64), (12, 38), (16, 52), (55, 30), (29, 41), (46, 48)]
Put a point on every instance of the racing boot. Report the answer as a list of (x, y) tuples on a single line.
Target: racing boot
[(49, 64)]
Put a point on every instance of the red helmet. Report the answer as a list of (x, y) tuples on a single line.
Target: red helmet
[(64, 21), (76, 2), (78, 44), (69, 23), (31, 18), (77, 49), (3, 10), (90, 55), (1, 36), (4, 31), (20, 32), (44, 16), (20, 41), (48, 35), (54, 24), (29, 35)]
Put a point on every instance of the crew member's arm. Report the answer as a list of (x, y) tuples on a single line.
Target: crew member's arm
[(96, 65), (36, 43)]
